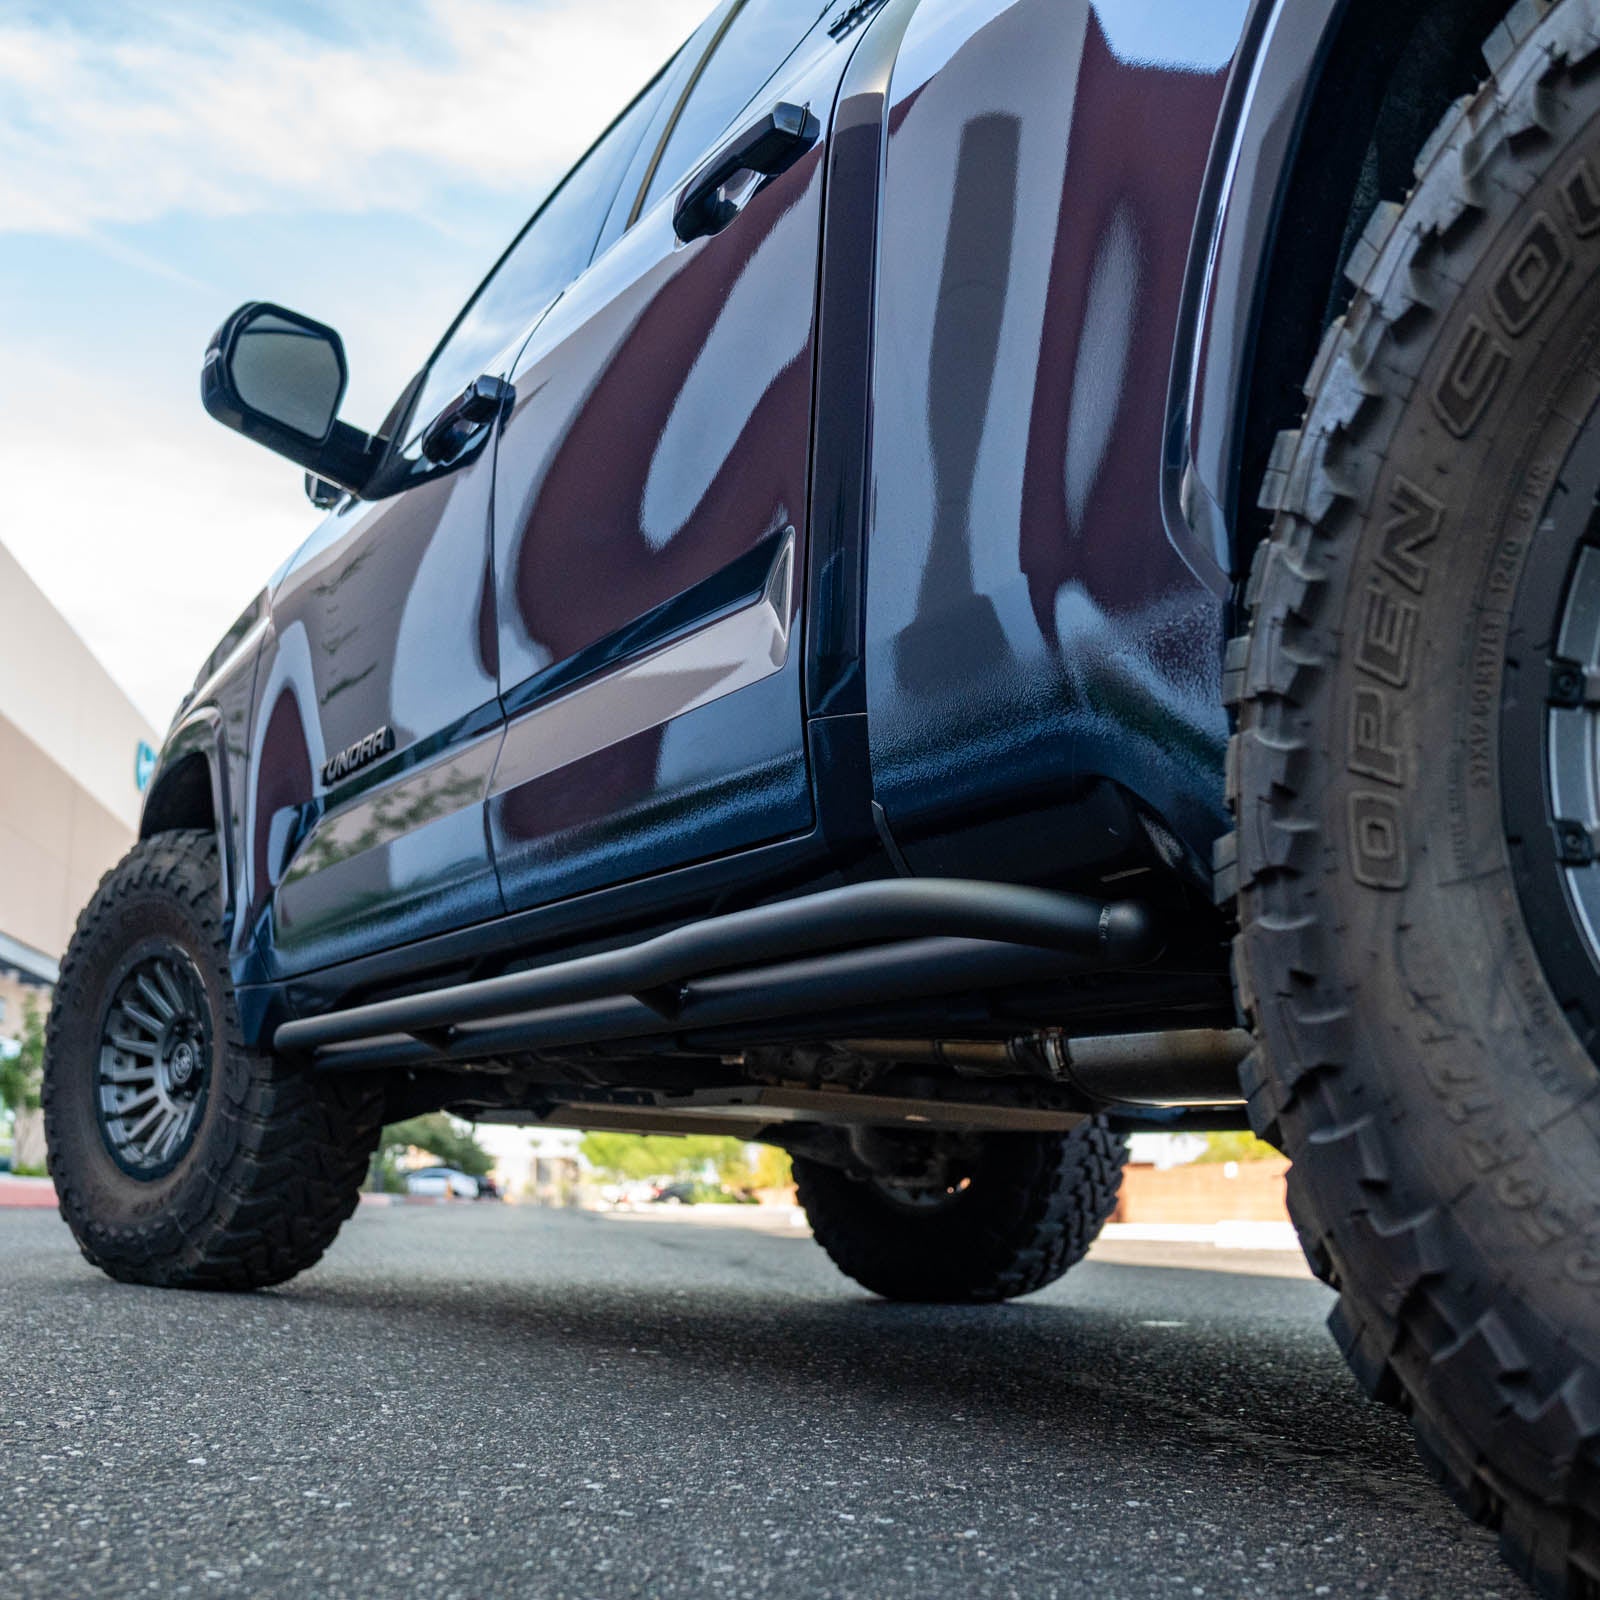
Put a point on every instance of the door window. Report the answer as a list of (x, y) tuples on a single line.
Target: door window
[(760, 36), (545, 257)]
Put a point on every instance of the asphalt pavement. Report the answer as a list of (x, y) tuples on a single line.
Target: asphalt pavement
[(483, 1400)]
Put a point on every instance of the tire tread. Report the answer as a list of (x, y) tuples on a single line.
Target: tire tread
[(299, 1145), (1390, 1262), (1050, 1204)]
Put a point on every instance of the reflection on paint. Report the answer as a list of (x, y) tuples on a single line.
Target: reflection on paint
[(1174, 35), (650, 692), (973, 277), (1033, 630), (761, 331), (1101, 370)]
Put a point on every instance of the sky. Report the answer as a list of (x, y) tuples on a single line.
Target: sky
[(364, 161)]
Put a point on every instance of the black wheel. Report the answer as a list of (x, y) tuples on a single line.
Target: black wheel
[(181, 1158), (1417, 791), (986, 1217)]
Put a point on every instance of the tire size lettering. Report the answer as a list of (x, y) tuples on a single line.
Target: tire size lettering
[(1483, 701), (1533, 272), (1412, 525), (1526, 283), (1460, 1092), (1377, 841), (1386, 647), (1388, 637), (1583, 1265), (1581, 194), (1375, 750), (1474, 372)]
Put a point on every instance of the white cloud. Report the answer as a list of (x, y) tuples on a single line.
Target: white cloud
[(147, 525), (224, 110), (148, 528)]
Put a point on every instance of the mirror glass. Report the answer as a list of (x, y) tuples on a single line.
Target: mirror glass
[(287, 372)]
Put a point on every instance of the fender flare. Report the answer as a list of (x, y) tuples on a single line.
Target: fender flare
[(199, 736), (1265, 105)]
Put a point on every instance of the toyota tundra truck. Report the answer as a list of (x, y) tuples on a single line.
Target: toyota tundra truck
[(982, 575)]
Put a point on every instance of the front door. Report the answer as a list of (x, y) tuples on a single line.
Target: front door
[(376, 727), (378, 718), (650, 503)]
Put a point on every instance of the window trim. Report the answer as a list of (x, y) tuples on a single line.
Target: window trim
[(405, 424), (732, 14), (688, 89)]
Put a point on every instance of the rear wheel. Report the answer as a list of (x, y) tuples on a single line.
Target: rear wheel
[(975, 1218), (1417, 789), (181, 1158)]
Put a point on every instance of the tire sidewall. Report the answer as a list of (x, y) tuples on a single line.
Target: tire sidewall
[(105, 1203), (1473, 1050), (1442, 1113)]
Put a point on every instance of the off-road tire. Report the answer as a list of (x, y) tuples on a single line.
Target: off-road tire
[(1032, 1205), (277, 1155), (1430, 1082)]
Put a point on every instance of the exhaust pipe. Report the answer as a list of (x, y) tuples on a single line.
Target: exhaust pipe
[(1186, 1067), (1189, 1067)]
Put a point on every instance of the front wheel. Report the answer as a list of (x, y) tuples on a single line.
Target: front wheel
[(1416, 780), (181, 1158), (984, 1217)]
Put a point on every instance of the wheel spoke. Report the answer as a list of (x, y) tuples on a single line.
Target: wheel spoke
[(160, 1003), (118, 1070), (154, 1060), (151, 1025), (129, 1101), (167, 1138), (151, 1116), (173, 987)]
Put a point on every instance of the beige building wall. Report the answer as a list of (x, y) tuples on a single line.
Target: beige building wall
[(56, 840), (69, 802)]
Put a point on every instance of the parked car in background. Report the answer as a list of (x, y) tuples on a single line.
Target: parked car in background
[(681, 1193), (983, 574), (442, 1183)]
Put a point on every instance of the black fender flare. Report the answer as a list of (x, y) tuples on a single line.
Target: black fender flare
[(172, 798), (1264, 107)]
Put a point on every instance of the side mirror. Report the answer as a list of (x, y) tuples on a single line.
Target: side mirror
[(322, 494), (278, 377)]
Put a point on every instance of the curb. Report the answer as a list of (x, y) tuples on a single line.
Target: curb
[(36, 1193)]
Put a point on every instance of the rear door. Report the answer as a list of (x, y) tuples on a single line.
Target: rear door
[(379, 720), (650, 500)]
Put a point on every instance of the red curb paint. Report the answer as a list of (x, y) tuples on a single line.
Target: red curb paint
[(38, 1192)]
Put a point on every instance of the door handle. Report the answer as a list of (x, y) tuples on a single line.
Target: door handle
[(770, 145), (481, 401)]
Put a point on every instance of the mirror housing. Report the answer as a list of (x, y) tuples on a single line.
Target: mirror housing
[(322, 494), (277, 377)]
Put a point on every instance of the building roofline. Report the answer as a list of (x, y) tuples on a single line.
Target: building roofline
[(29, 962)]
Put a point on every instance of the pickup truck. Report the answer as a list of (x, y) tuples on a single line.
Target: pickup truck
[(981, 575)]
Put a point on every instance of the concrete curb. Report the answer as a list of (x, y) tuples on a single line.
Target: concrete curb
[(35, 1192)]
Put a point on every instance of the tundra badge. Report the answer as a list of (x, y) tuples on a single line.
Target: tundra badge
[(360, 754)]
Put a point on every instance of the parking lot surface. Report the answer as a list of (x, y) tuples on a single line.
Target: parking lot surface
[(484, 1400)]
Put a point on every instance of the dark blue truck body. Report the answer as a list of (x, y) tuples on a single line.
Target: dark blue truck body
[(889, 528)]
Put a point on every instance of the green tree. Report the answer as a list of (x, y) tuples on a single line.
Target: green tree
[(771, 1168), (666, 1155), (440, 1135), (20, 1074), (1236, 1147)]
